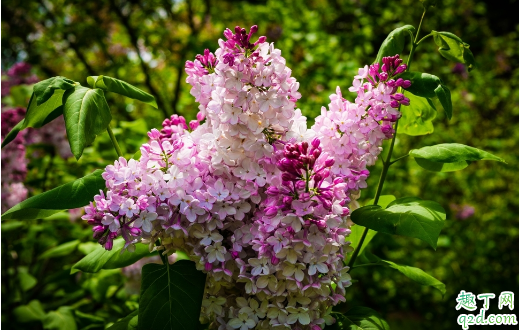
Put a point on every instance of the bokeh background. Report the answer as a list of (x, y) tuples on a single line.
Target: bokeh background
[(146, 43)]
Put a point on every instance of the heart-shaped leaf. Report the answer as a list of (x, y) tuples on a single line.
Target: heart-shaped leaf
[(171, 296), (121, 87), (429, 86), (68, 196), (448, 157), (453, 48), (86, 115), (113, 259), (417, 117), (45, 89), (395, 42), (359, 318), (408, 216)]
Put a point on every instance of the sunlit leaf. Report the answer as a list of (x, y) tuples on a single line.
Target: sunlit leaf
[(395, 42), (121, 87), (45, 89), (408, 216), (453, 48), (86, 115), (417, 117)]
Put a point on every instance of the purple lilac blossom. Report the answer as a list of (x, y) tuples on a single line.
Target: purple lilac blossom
[(259, 201)]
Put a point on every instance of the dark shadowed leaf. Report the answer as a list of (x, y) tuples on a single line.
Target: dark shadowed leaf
[(121, 87), (103, 259), (171, 296), (429, 86), (453, 48), (359, 318), (126, 323), (60, 250), (395, 42), (68, 196), (413, 273), (86, 115), (408, 216), (417, 117)]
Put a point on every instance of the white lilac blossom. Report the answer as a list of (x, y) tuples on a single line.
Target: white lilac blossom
[(258, 201)]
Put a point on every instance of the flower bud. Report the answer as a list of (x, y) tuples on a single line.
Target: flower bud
[(271, 211), (329, 162), (272, 191), (208, 266), (317, 153), (234, 254), (406, 84), (274, 260), (193, 124), (154, 134), (135, 231), (316, 142)]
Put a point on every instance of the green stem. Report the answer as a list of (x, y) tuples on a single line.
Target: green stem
[(387, 162), (368, 265), (162, 257), (399, 158), (114, 141), (427, 36)]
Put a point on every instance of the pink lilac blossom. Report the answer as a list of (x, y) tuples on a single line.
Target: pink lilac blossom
[(258, 201)]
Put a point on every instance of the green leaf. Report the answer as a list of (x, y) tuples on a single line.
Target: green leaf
[(417, 117), (27, 281), (448, 157), (171, 296), (45, 89), (441, 167), (38, 115), (128, 322), (429, 86), (121, 87), (86, 115), (31, 312), (453, 48), (359, 318), (103, 259), (357, 230), (61, 319), (68, 196), (418, 275), (452, 152), (395, 42), (408, 216), (13, 133), (60, 250)]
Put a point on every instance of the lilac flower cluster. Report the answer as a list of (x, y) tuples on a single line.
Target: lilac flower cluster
[(14, 162), (255, 198)]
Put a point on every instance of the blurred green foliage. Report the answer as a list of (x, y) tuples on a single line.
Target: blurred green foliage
[(147, 43)]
